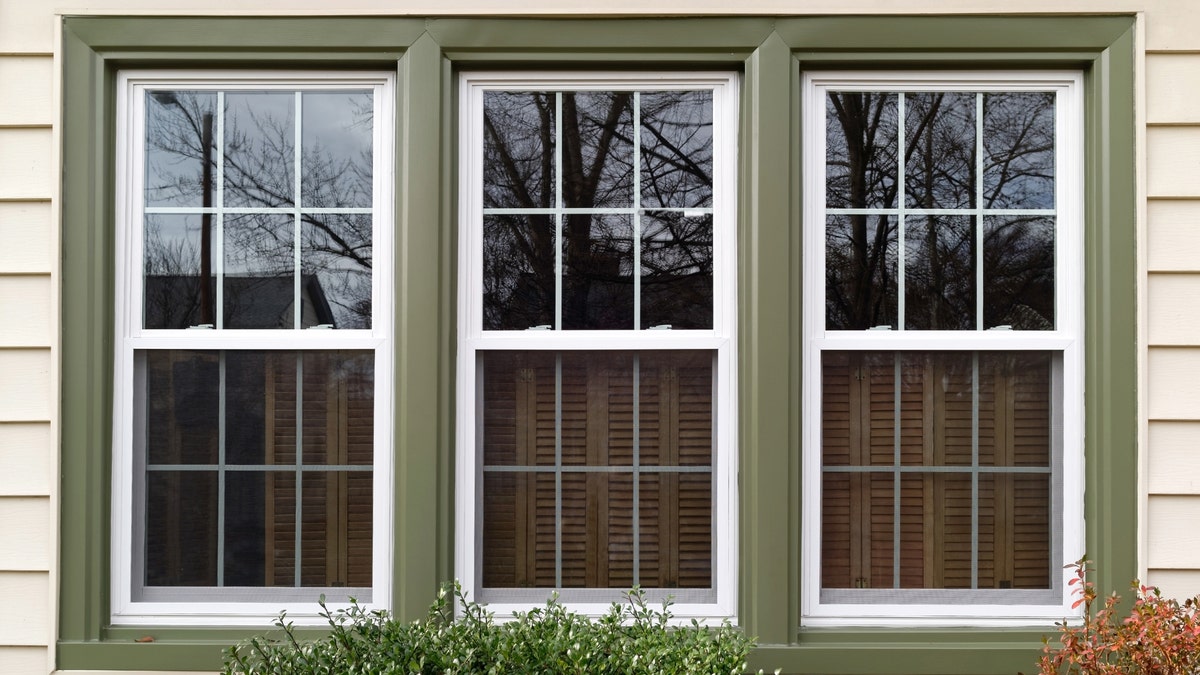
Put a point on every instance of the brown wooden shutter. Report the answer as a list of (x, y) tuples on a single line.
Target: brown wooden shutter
[(338, 429), (597, 507), (859, 428)]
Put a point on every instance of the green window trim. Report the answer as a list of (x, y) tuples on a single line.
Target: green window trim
[(770, 51)]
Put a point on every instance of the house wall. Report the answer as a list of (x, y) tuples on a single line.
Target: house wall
[(1169, 283)]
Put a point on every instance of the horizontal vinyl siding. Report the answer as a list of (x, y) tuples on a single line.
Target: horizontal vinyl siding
[(26, 453), (1175, 583), (1173, 161), (33, 76), (1173, 235), (26, 158), (1173, 309), (24, 660), (25, 388), (24, 519), (1174, 537), (25, 306), (27, 619)]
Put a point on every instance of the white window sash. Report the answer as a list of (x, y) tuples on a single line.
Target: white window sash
[(473, 339), (984, 607), (232, 606)]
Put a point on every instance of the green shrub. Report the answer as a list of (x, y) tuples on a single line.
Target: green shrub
[(1159, 636), (632, 638)]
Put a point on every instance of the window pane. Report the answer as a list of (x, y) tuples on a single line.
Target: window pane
[(677, 270), (940, 150), (589, 458), (676, 157), (335, 155), (861, 271), (860, 150), (1018, 145), (518, 150), (335, 270), (598, 273), (221, 437), (597, 149), (1018, 272), (939, 273), (259, 282), (180, 151), (519, 272), (178, 257), (259, 142), (937, 469), (181, 528)]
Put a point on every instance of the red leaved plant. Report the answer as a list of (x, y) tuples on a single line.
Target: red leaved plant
[(1160, 636)]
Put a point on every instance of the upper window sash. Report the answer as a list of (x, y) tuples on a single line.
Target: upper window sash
[(263, 224), (626, 203), (900, 325)]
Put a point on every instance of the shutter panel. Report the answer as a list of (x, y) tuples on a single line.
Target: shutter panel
[(338, 429), (935, 415), (596, 398)]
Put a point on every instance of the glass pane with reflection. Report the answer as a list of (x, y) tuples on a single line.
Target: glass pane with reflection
[(940, 150), (518, 149), (860, 150), (519, 272), (335, 269), (676, 149), (939, 273), (335, 158), (597, 272), (260, 141), (860, 272), (1018, 272), (179, 290), (1018, 150), (260, 271), (180, 148), (677, 270)]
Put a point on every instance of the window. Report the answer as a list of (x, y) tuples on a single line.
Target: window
[(596, 350), (943, 359), (252, 408)]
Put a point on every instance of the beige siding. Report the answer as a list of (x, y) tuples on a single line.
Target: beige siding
[(1173, 161), (1174, 537), (25, 387), (1167, 103), (1173, 236), (26, 298), (26, 161), (1174, 383), (24, 519), (1174, 466), (1175, 583), (24, 660), (26, 453), (33, 77), (27, 623)]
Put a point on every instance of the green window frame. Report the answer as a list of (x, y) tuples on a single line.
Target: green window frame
[(771, 52)]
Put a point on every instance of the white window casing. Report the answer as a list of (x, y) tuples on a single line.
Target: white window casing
[(475, 340), (133, 601), (1063, 342)]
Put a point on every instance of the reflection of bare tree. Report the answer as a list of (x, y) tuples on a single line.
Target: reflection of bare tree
[(258, 172), (590, 137), (941, 171)]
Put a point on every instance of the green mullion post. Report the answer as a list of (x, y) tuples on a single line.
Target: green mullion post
[(767, 346), (87, 343), (1110, 352), (418, 444)]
